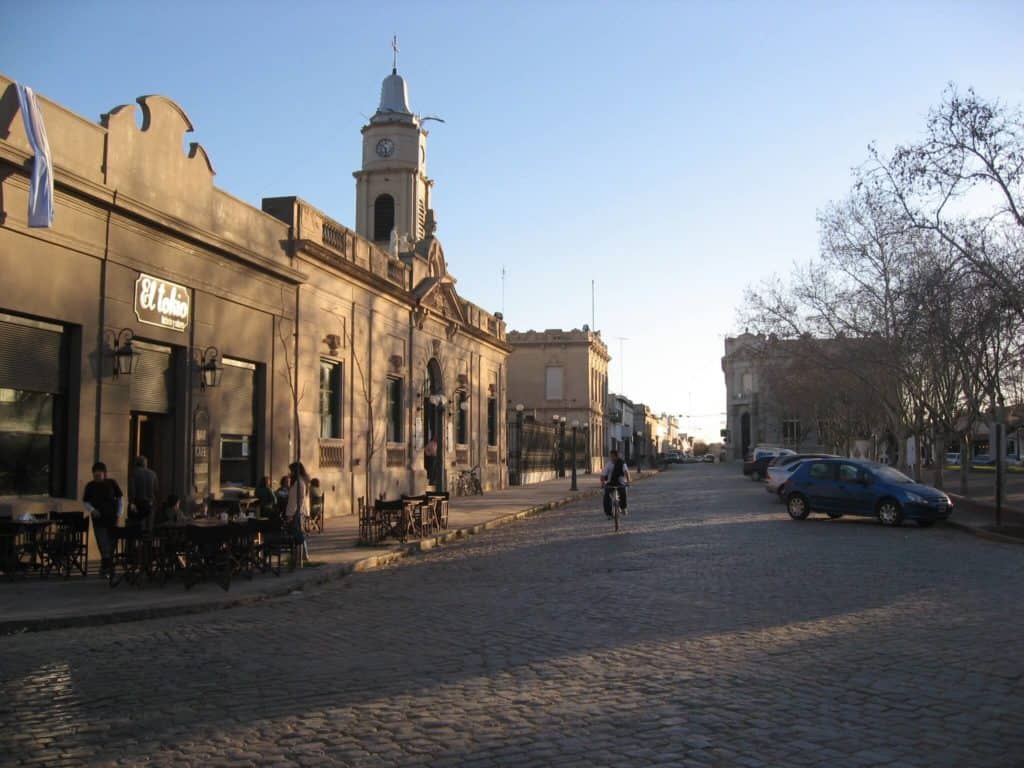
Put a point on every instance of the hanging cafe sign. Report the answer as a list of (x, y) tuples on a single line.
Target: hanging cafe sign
[(159, 302)]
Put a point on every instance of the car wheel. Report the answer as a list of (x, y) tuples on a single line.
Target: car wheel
[(925, 523), (755, 475), (889, 513), (797, 507)]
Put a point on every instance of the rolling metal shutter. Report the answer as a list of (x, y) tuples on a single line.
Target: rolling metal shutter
[(30, 356), (236, 397), (151, 379)]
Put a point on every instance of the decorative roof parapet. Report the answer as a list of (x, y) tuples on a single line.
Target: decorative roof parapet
[(334, 243), (559, 336)]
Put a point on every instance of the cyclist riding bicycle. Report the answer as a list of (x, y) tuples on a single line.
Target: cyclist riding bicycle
[(614, 477)]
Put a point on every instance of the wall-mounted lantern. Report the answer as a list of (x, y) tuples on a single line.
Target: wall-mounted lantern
[(121, 349), (210, 369)]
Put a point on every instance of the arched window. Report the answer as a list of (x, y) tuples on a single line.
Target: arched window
[(383, 217)]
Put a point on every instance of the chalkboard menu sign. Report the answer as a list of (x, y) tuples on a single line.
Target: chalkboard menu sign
[(201, 451)]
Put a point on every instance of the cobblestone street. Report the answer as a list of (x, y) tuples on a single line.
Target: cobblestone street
[(711, 631)]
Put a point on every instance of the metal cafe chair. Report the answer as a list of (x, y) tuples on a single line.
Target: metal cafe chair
[(67, 545), (208, 555), (391, 520), (11, 553), (128, 555), (276, 541), (421, 513), (440, 500)]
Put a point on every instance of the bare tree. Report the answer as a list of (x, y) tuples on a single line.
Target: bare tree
[(964, 181), (290, 374), (375, 433)]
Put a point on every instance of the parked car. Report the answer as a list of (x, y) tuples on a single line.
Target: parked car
[(840, 487), (755, 466), (953, 459), (673, 457), (983, 460), (708, 458), (782, 467)]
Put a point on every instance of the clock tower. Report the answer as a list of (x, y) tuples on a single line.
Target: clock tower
[(392, 188)]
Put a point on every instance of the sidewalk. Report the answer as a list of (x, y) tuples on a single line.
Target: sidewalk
[(978, 516), (38, 604)]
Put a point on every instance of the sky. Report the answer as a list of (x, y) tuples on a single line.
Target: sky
[(670, 153)]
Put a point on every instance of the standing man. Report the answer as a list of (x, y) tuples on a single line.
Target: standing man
[(430, 451), (144, 489), (614, 478), (103, 500)]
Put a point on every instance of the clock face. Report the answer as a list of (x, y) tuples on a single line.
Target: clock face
[(385, 148)]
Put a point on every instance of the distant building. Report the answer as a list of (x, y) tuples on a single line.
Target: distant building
[(562, 373), (645, 431), (621, 431)]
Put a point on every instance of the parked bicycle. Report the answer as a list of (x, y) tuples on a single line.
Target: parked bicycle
[(468, 482)]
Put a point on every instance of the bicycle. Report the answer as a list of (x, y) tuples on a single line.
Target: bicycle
[(616, 508), (468, 483)]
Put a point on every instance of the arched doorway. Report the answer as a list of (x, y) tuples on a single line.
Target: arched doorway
[(744, 434), (433, 426)]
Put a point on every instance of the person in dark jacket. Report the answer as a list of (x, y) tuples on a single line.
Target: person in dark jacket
[(103, 500), (267, 498), (145, 489)]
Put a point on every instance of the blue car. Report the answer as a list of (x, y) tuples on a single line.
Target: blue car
[(840, 487)]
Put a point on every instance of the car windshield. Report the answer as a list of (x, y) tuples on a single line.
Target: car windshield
[(891, 475)]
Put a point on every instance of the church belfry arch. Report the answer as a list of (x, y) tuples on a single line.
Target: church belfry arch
[(383, 217)]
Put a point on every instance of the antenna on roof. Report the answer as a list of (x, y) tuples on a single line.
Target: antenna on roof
[(394, 47)]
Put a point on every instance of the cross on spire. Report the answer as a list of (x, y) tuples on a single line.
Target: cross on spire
[(394, 47)]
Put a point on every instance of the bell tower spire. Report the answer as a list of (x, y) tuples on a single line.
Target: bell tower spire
[(392, 188)]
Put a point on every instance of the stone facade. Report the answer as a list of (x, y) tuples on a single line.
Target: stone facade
[(754, 414), (562, 373), (330, 349)]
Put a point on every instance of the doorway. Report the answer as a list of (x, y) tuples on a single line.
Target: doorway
[(433, 427), (744, 435), (152, 435)]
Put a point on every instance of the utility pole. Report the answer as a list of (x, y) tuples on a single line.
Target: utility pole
[(622, 365)]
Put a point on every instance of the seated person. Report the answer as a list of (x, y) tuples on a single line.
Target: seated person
[(266, 498), (170, 511), (282, 492)]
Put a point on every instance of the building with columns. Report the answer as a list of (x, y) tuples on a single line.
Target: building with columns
[(252, 337)]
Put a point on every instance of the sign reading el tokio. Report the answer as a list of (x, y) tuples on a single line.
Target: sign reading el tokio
[(158, 302)]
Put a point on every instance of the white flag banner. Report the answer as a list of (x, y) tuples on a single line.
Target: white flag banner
[(40, 193)]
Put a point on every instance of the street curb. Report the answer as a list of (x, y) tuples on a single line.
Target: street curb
[(965, 501), (981, 533), (316, 576)]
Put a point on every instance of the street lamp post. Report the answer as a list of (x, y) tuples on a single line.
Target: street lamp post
[(561, 447), (558, 422), (586, 450), (555, 420), (519, 443), (575, 426)]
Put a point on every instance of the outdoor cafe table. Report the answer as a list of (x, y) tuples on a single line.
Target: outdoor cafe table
[(29, 533), (215, 548)]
